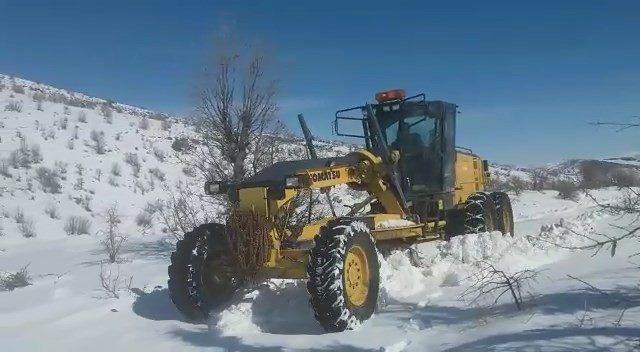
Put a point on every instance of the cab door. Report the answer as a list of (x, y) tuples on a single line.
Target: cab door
[(421, 153)]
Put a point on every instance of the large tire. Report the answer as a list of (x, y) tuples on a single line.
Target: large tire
[(343, 273), (454, 224), (201, 275), (504, 212), (480, 213)]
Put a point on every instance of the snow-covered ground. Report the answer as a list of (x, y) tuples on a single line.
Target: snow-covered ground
[(420, 309)]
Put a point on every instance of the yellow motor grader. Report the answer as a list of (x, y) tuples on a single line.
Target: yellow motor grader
[(419, 187)]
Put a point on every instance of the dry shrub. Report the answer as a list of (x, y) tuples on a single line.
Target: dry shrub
[(157, 173), (106, 111), (18, 215), (52, 211), (21, 278), (111, 282), (4, 168), (566, 189), (143, 124), (27, 228), (13, 106), (25, 155), (115, 169), (166, 124), (18, 89), (99, 141), (77, 225), (159, 154), (49, 179), (134, 162), (82, 117)]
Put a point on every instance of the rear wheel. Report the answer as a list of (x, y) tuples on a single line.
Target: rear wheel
[(343, 274), (201, 275), (504, 212), (480, 213)]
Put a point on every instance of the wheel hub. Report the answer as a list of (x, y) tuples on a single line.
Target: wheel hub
[(217, 275), (356, 276)]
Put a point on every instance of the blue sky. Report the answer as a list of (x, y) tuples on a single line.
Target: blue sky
[(527, 77)]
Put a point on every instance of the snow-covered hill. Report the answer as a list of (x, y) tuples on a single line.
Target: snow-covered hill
[(569, 169), (66, 307)]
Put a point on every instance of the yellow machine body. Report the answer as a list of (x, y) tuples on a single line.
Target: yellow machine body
[(367, 174), (470, 177)]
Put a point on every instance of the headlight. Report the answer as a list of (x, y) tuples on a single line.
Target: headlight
[(292, 182), (211, 187)]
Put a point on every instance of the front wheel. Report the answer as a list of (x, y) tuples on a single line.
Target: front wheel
[(343, 274), (201, 275)]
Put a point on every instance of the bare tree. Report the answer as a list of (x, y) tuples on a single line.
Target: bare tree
[(593, 176), (623, 177), (113, 239), (516, 184), (491, 282), (567, 189), (236, 110), (539, 179), (271, 148)]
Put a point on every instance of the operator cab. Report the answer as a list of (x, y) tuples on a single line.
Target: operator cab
[(422, 131), (408, 128)]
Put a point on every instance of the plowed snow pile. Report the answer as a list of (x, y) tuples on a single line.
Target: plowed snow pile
[(420, 307)]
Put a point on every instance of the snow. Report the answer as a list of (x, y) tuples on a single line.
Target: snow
[(419, 306), (393, 223)]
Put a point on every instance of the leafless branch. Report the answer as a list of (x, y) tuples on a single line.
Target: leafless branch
[(621, 125), (110, 281), (235, 114), (490, 281), (183, 209), (617, 301)]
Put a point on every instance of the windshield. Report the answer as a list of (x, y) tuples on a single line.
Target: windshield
[(408, 133), (415, 135)]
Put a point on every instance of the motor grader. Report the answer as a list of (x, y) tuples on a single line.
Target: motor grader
[(419, 187)]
